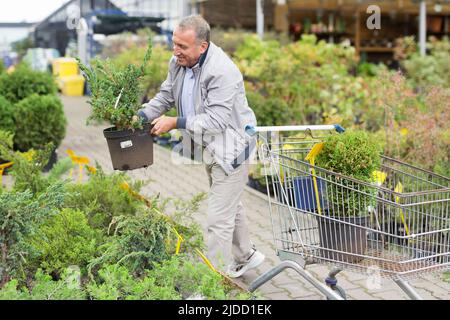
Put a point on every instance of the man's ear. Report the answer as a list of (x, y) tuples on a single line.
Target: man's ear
[(203, 47)]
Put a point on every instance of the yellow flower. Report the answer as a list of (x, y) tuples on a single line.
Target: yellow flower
[(91, 169)]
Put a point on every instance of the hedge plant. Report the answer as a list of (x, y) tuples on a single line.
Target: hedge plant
[(24, 82), (354, 154), (107, 83), (64, 239), (39, 120), (6, 115)]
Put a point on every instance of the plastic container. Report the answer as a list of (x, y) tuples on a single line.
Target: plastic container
[(130, 149), (72, 85), (63, 67)]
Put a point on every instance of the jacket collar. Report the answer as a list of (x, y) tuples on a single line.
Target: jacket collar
[(203, 56), (201, 60)]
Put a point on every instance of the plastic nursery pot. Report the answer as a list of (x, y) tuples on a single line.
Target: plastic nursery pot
[(130, 149), (337, 236)]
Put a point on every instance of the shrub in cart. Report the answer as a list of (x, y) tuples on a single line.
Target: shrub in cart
[(350, 159), (115, 99)]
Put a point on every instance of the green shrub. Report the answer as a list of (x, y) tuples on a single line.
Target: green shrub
[(353, 154), (6, 115), (24, 82), (107, 82), (155, 70), (20, 216), (271, 111), (174, 279), (44, 288), (102, 198), (2, 66), (39, 120), (431, 70), (116, 283), (137, 242), (63, 240)]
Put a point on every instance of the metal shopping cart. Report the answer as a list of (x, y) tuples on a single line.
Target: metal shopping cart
[(397, 226)]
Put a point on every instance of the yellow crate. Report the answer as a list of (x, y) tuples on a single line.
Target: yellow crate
[(63, 67), (72, 85)]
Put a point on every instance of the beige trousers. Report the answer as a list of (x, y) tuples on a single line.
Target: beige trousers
[(228, 237)]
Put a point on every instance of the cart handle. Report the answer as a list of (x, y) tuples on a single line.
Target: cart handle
[(251, 130)]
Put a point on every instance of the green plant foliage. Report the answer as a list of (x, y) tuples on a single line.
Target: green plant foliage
[(174, 279), (303, 82), (137, 241), (116, 283), (431, 70), (20, 216), (24, 82), (39, 120), (155, 70), (6, 115), (44, 288), (107, 83), (27, 169), (353, 153), (190, 279), (102, 198), (63, 240), (2, 67)]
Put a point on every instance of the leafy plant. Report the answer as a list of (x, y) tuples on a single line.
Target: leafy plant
[(155, 70), (115, 92), (39, 120), (431, 70), (176, 278), (27, 169), (353, 154), (116, 283), (103, 197), (24, 82), (137, 241), (44, 288), (62, 240), (20, 216), (6, 115)]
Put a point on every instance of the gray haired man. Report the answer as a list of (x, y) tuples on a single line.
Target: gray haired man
[(208, 92)]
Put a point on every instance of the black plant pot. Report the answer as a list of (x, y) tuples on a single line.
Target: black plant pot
[(338, 236), (130, 149), (51, 162)]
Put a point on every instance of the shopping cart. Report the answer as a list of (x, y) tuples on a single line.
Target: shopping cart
[(396, 226)]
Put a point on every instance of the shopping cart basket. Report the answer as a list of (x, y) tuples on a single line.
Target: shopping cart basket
[(398, 225)]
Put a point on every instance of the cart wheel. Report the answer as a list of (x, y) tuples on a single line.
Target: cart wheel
[(339, 291)]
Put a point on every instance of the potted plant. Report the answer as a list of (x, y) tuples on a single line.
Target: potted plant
[(115, 98), (352, 157)]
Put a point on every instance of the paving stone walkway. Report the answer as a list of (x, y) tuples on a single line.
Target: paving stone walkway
[(184, 181)]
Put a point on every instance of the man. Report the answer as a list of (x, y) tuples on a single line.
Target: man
[(208, 91)]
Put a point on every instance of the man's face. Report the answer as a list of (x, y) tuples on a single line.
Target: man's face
[(186, 47)]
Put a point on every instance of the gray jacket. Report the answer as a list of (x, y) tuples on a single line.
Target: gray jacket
[(221, 109)]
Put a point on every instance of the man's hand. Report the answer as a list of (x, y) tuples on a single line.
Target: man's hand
[(163, 124)]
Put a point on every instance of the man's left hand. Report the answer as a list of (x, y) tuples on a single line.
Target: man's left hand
[(163, 124)]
